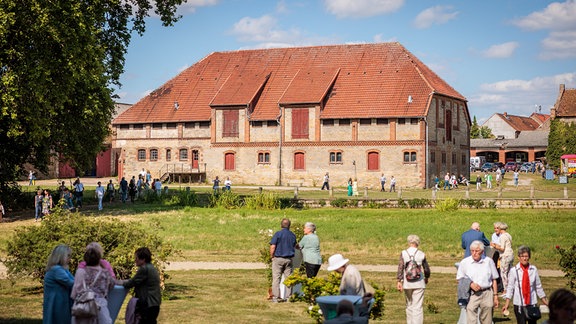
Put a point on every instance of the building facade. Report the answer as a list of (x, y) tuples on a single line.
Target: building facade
[(287, 116)]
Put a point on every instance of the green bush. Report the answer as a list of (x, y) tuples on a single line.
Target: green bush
[(183, 198), (315, 287), (340, 203), (448, 204), (227, 199), (568, 264), (265, 201), (30, 247), (419, 203), (472, 203)]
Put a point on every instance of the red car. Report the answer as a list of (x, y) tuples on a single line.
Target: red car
[(511, 166)]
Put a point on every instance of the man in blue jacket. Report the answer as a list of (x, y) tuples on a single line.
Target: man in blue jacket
[(471, 235)]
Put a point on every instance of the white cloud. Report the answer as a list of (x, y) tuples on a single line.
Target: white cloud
[(182, 68), (190, 6), (263, 29), (361, 8), (434, 15), (559, 45), (519, 97), (557, 16), (503, 50), (379, 38)]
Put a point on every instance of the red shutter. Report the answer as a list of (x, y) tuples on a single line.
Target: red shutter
[(300, 123), (373, 161), (230, 123), (299, 161), (229, 161)]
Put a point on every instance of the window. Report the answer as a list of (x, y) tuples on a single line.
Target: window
[(229, 161), (409, 157), (156, 126), (300, 123), (141, 155), (271, 123), (413, 121), (168, 155), (256, 123), (433, 157), (230, 123), (299, 161), (449, 125), (335, 157), (171, 125), (464, 159), (124, 126), (381, 121), (153, 155), (183, 154), (138, 126), (401, 121), (189, 125), (204, 124), (365, 121), (373, 161), (443, 158), (344, 122), (453, 158), (328, 122), (263, 157)]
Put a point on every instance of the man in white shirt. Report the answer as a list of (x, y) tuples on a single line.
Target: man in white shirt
[(483, 274)]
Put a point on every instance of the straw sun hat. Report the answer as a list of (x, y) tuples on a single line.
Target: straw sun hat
[(336, 261)]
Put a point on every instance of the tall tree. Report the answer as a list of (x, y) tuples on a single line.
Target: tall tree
[(477, 131), (561, 140), (58, 62)]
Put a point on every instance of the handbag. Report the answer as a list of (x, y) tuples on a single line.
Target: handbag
[(531, 312), (85, 302)]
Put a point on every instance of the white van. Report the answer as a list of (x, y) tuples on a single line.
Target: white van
[(476, 162)]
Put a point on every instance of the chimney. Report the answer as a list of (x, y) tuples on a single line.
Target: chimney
[(506, 114), (562, 87)]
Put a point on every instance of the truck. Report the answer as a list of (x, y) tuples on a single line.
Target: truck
[(476, 162)]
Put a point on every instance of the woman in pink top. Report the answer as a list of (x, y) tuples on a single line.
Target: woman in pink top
[(105, 264)]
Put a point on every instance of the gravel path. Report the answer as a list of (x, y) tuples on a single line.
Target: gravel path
[(187, 266)]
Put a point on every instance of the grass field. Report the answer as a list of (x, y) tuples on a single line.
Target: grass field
[(365, 236)]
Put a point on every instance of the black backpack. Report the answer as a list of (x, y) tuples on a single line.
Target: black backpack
[(412, 268)]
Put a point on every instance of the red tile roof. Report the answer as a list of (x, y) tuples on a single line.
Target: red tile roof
[(350, 81), (566, 105), (521, 123)]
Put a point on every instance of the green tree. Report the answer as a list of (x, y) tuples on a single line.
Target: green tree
[(561, 140), (477, 131), (58, 62)]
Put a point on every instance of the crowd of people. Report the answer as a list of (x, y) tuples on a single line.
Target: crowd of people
[(96, 275), (485, 274)]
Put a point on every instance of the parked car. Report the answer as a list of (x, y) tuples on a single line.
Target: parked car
[(487, 167), (498, 165), (528, 167), (511, 166)]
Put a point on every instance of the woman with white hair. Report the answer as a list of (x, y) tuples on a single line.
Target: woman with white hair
[(506, 253), (310, 246), (412, 279)]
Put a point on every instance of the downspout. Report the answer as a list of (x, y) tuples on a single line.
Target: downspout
[(426, 179), (278, 120)]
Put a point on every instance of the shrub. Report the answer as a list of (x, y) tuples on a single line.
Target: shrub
[(227, 199), (315, 287), (402, 203), (419, 203), (448, 204), (472, 203), (266, 201), (30, 247), (339, 203), (183, 198), (568, 264)]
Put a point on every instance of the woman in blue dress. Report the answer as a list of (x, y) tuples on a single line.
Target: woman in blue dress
[(58, 283)]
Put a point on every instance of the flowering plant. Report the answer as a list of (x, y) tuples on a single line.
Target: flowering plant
[(568, 264)]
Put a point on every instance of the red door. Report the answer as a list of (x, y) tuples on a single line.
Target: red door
[(299, 161), (229, 161), (195, 159), (373, 161)]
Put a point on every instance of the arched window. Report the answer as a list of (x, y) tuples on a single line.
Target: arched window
[(229, 161), (373, 161), (299, 161), (153, 155), (183, 155), (141, 155)]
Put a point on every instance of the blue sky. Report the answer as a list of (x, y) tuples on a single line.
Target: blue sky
[(502, 55)]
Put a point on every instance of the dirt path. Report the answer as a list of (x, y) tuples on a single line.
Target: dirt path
[(187, 266)]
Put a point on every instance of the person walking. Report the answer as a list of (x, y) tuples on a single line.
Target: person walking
[(447, 181), (99, 192), (516, 177), (506, 253), (524, 287), (38, 205), (228, 184), (413, 287), (326, 183), (132, 189), (310, 246), (216, 185), (282, 249), (58, 282), (110, 191), (124, 189), (383, 183), (392, 184), (47, 203), (478, 182), (349, 187), (78, 192), (481, 273)]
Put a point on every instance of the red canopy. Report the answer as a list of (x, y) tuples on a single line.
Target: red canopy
[(568, 156)]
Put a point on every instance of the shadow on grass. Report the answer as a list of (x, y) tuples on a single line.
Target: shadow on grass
[(174, 291), (7, 320)]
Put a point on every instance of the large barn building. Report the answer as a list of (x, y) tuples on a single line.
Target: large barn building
[(288, 115)]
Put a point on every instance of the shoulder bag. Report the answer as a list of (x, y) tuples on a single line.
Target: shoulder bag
[(85, 302), (531, 312)]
